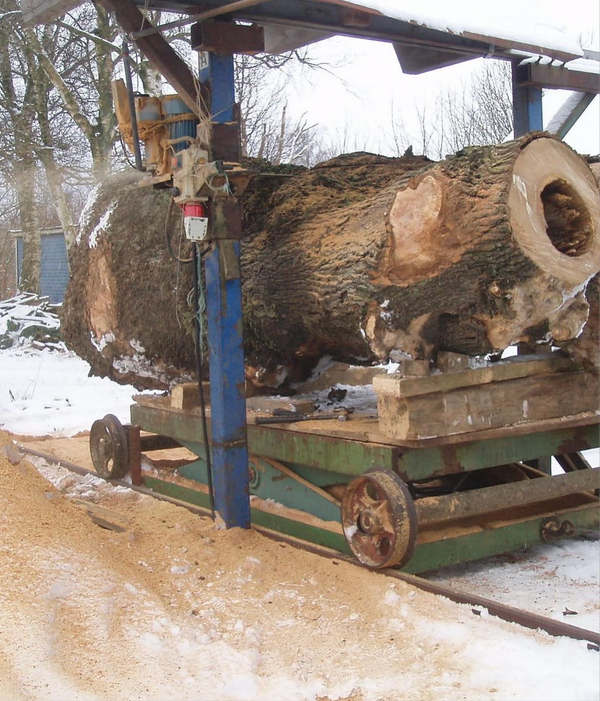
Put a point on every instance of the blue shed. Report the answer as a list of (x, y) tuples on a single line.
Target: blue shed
[(54, 273)]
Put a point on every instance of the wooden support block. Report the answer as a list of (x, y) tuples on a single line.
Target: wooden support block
[(522, 366), (453, 362), (414, 368), (227, 38), (185, 396), (495, 403)]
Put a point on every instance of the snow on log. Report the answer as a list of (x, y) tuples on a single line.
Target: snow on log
[(362, 257)]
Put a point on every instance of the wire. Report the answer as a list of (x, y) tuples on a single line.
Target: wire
[(168, 238), (125, 154), (199, 373)]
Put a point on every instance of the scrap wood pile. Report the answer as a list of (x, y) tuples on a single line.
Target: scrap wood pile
[(363, 258), (28, 319)]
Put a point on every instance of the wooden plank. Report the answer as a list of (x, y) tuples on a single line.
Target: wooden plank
[(45, 11), (522, 366), (503, 496), (158, 51), (487, 406)]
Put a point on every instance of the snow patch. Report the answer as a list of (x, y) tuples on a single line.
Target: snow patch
[(102, 225)]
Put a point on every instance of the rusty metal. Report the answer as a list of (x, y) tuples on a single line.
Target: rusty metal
[(539, 75), (570, 462), (379, 519), (227, 38), (553, 529), (109, 448), (157, 442), (135, 455)]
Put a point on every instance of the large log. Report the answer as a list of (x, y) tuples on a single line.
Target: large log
[(362, 257)]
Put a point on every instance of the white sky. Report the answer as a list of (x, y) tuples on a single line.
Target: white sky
[(370, 85)]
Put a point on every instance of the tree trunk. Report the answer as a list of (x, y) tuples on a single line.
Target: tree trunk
[(363, 258)]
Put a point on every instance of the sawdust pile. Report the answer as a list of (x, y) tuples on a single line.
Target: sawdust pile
[(173, 608)]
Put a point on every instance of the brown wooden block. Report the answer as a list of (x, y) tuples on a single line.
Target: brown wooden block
[(227, 38), (453, 362), (487, 406), (523, 366), (185, 396)]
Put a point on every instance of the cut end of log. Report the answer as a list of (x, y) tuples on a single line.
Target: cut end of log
[(555, 211)]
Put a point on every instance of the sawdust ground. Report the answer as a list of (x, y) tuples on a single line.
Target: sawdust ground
[(174, 603)]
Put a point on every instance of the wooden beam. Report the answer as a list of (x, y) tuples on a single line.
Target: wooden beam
[(538, 75), (158, 51), (44, 11), (415, 60), (504, 496)]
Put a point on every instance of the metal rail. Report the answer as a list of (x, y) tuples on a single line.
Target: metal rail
[(527, 619)]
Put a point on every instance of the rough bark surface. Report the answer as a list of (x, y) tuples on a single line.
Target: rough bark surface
[(362, 257), (125, 310)]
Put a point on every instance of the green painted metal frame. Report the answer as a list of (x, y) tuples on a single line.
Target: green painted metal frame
[(428, 556), (274, 522), (495, 541), (325, 460), (267, 482), (350, 457)]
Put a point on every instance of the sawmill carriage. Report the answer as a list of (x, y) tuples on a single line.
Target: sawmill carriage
[(447, 262)]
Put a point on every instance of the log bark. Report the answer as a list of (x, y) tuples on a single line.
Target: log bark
[(362, 258)]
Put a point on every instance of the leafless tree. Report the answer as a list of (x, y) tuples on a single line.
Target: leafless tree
[(268, 129), (474, 113)]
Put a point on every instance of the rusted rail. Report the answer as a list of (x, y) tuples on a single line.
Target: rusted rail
[(527, 619)]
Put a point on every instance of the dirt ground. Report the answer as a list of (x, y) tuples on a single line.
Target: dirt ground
[(173, 608)]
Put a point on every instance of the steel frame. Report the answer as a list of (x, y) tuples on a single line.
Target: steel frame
[(291, 467)]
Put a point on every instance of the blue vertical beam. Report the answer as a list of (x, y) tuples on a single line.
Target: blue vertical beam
[(527, 106), (528, 116), (225, 339)]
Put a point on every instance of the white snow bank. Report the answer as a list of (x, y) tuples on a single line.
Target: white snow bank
[(50, 393)]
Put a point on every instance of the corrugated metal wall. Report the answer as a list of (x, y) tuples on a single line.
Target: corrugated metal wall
[(54, 275)]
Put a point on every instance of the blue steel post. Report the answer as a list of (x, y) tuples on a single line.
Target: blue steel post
[(225, 339), (528, 116), (527, 106)]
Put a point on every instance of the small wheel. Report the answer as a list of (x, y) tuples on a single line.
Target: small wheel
[(109, 448), (379, 519)]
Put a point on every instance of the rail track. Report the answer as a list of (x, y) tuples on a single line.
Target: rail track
[(524, 618)]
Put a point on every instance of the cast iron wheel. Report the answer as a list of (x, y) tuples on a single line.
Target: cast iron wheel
[(379, 519), (109, 448)]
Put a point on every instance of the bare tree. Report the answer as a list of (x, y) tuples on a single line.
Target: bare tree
[(475, 113)]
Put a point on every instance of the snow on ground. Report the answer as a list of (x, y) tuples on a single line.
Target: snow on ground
[(199, 614), (49, 392)]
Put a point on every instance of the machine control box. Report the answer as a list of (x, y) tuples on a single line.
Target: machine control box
[(196, 228)]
